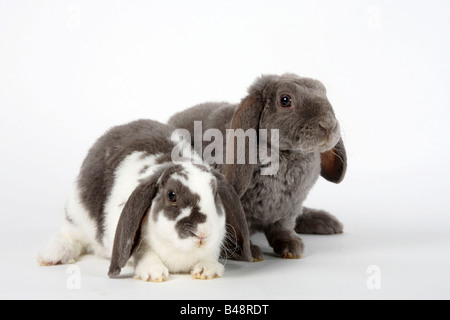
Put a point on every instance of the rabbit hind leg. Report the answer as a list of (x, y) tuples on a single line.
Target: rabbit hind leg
[(66, 246)]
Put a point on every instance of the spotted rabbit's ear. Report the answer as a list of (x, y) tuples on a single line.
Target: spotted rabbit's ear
[(128, 229), (236, 222), (334, 163)]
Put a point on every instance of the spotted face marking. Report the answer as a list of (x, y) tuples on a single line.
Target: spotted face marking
[(187, 226), (187, 210)]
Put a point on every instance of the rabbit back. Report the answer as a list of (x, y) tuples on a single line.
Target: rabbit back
[(141, 139)]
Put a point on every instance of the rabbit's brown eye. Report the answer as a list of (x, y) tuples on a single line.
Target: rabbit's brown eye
[(285, 101), (172, 196)]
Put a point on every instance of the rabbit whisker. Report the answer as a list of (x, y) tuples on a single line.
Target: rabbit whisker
[(191, 229), (141, 240), (306, 157), (230, 245), (337, 155)]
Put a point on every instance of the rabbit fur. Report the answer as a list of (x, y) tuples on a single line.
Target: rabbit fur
[(310, 145)]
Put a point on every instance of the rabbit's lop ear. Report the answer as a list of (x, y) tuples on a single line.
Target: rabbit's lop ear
[(247, 116), (237, 229), (334, 163), (128, 229)]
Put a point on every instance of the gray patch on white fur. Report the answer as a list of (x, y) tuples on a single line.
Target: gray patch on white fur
[(144, 168)]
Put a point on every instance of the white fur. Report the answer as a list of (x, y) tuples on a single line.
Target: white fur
[(151, 268), (75, 237)]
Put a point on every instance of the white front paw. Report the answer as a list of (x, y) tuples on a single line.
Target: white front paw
[(208, 270), (155, 272)]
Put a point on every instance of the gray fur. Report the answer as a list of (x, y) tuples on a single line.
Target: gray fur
[(310, 145), (313, 221)]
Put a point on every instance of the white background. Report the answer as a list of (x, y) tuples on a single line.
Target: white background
[(69, 70)]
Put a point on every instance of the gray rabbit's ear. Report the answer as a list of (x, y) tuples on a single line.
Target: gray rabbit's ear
[(334, 163), (128, 229), (247, 116), (236, 222)]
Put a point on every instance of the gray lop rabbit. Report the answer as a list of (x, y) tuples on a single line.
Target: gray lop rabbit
[(309, 145)]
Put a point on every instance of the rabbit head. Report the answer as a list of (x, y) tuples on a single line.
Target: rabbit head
[(184, 206), (299, 109)]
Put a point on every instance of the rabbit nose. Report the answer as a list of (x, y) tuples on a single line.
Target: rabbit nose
[(328, 127), (201, 235), (201, 238)]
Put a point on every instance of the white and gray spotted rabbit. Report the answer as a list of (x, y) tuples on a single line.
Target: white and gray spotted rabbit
[(131, 200)]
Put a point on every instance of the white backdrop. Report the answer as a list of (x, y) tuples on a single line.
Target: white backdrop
[(69, 70)]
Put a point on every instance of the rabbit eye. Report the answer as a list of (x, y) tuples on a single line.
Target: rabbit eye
[(172, 196), (285, 101)]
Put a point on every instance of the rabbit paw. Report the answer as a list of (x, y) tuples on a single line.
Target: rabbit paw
[(290, 249), (151, 273), (208, 270), (256, 253)]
